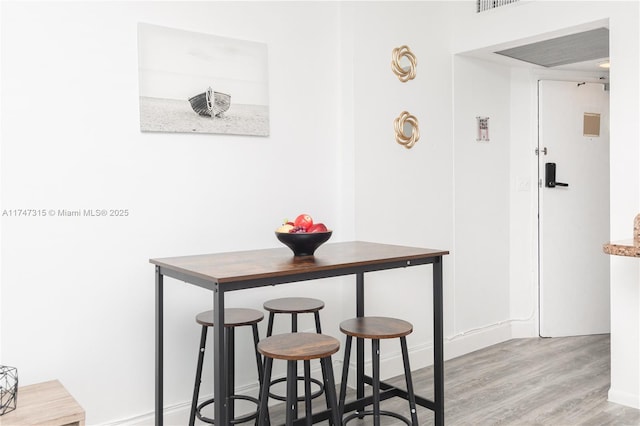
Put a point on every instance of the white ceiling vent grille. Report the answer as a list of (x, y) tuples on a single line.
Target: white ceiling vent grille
[(569, 49), (492, 4)]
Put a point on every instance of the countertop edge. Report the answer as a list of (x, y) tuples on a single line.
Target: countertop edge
[(621, 248)]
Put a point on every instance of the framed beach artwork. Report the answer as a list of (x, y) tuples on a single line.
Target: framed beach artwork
[(200, 83)]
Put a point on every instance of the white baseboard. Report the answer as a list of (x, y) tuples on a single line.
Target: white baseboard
[(624, 398), (524, 329)]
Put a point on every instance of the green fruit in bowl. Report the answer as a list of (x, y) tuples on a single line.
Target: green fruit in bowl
[(286, 228)]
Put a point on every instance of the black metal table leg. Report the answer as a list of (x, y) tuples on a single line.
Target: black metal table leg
[(230, 362), (360, 342), (219, 367), (438, 351), (159, 346)]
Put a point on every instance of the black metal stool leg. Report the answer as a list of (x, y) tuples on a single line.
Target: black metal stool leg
[(330, 389), (316, 316), (196, 387), (259, 363), (375, 355), (229, 334), (270, 325), (266, 384), (294, 329), (256, 340), (292, 393), (345, 373), (264, 392), (326, 396), (307, 391), (407, 375)]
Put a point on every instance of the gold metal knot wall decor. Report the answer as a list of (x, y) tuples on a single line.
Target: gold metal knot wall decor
[(404, 63), (407, 130)]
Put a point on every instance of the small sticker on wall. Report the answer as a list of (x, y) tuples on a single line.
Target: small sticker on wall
[(591, 124), (483, 129)]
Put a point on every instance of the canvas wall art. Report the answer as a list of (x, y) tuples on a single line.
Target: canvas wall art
[(200, 83)]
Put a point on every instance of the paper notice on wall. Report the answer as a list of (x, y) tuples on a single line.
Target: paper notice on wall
[(483, 129)]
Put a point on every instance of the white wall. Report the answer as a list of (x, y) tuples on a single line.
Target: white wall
[(481, 228), (404, 196), (78, 292), (625, 204)]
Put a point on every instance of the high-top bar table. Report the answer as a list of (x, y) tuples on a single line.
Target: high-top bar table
[(223, 272)]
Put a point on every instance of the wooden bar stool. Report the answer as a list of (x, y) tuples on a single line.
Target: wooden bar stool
[(294, 306), (233, 317), (294, 347), (376, 328)]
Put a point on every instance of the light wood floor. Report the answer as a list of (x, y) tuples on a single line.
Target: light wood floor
[(553, 381)]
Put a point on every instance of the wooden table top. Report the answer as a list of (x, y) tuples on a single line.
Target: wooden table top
[(279, 262), (44, 404)]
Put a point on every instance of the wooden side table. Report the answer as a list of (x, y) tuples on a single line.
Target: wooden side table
[(44, 404)]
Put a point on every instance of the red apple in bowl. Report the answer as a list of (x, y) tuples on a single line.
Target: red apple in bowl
[(317, 227), (303, 221)]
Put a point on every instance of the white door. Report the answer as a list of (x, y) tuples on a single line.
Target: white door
[(573, 219)]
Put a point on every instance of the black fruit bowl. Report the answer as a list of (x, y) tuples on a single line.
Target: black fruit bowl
[(304, 243)]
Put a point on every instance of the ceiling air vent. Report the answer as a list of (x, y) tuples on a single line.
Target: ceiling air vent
[(569, 49), (492, 4)]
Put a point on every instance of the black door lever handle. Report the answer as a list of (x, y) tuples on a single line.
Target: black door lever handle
[(550, 176)]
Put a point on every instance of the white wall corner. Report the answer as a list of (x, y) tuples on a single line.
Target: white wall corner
[(624, 398)]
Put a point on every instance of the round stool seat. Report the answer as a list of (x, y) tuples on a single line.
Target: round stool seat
[(290, 305), (298, 346), (376, 327), (233, 317)]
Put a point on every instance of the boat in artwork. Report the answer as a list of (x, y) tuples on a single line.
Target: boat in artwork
[(210, 103)]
